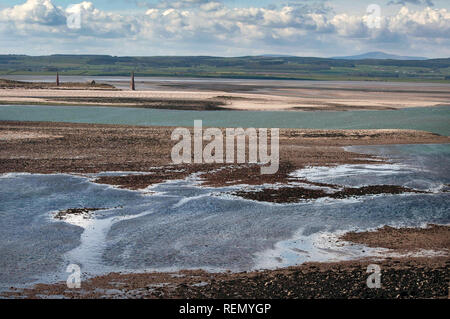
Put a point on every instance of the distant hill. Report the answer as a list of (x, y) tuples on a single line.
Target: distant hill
[(249, 67), (379, 56), (277, 56)]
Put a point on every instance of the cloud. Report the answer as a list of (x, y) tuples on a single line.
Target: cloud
[(211, 6), (429, 23), (211, 27), (180, 4), (42, 17), (95, 22), (416, 2), (42, 12)]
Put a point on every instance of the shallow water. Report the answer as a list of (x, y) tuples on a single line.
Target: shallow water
[(142, 83), (182, 225), (431, 119)]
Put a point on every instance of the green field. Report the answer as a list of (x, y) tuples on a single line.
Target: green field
[(256, 67)]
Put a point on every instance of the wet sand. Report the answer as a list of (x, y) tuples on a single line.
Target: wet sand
[(42, 147), (245, 95), (18, 85), (39, 147), (433, 237)]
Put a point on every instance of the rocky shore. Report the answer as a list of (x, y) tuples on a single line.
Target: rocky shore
[(37, 147), (42, 147), (297, 194), (401, 278), (433, 237)]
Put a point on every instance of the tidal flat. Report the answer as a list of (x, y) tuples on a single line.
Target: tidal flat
[(107, 198)]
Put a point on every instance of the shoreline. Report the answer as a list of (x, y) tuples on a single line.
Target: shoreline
[(51, 147), (432, 237), (44, 147), (403, 277), (56, 147)]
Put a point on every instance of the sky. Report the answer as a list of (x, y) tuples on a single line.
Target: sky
[(225, 27)]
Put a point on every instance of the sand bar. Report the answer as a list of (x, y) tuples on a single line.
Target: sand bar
[(268, 96)]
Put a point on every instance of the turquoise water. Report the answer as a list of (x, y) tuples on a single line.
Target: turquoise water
[(433, 119)]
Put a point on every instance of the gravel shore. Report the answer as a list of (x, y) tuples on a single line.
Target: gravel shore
[(43, 147), (400, 278)]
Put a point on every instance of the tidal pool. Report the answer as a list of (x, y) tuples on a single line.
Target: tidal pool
[(182, 225)]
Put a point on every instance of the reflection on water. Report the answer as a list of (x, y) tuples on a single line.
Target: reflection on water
[(183, 225)]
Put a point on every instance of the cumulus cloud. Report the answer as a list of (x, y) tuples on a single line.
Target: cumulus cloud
[(426, 23), (430, 23), (35, 12), (296, 26), (43, 17), (95, 22)]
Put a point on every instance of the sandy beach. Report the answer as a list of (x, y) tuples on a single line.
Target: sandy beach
[(248, 95)]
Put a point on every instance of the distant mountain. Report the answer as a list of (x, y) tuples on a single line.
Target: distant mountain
[(378, 55)]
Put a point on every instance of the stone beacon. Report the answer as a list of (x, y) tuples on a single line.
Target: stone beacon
[(57, 78), (132, 85)]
